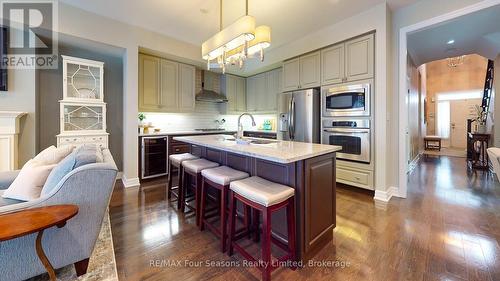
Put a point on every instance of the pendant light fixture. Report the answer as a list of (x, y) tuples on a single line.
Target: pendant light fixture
[(235, 43)]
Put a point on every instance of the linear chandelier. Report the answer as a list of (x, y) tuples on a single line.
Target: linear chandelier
[(237, 42)]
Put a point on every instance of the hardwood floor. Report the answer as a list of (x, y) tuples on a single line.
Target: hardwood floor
[(447, 229)]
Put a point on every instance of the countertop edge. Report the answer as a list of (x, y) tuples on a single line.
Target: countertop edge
[(272, 159)]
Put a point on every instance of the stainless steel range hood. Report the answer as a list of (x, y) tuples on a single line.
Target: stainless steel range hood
[(209, 95)]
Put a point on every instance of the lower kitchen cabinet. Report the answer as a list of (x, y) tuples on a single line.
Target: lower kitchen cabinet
[(355, 177)]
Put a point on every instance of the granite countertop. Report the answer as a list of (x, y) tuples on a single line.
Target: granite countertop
[(187, 132), (277, 151)]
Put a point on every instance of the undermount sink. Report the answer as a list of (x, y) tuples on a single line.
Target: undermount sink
[(247, 141)]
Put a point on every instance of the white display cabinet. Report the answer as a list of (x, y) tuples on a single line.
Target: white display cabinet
[(82, 109)]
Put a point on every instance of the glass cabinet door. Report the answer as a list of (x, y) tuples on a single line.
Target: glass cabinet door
[(83, 81), (83, 118)]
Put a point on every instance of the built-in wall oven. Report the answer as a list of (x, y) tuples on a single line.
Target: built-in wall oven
[(351, 100), (354, 135)]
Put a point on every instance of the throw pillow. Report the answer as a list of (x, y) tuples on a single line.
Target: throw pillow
[(53, 155), (85, 154), (28, 184), (62, 169)]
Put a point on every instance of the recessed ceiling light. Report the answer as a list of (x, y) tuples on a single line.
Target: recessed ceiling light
[(450, 42)]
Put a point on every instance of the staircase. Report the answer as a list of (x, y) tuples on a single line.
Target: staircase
[(485, 105), (488, 86)]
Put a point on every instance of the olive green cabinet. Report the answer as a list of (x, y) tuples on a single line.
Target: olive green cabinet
[(165, 86)]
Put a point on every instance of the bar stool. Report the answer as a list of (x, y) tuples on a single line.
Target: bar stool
[(194, 168), (176, 162), (266, 197), (219, 178)]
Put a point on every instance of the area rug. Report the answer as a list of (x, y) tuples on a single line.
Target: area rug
[(102, 264)]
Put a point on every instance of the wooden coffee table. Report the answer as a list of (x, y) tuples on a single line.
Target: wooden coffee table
[(21, 223)]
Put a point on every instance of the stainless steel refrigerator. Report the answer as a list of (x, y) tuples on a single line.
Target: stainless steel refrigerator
[(299, 116)]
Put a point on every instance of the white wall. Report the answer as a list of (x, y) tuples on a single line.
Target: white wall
[(21, 96), (415, 13)]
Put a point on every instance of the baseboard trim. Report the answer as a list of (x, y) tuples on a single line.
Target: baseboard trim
[(130, 182), (385, 195)]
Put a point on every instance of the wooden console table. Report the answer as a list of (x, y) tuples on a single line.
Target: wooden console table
[(36, 220), (478, 155)]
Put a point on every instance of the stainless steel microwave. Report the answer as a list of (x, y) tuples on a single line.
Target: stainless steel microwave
[(352, 100)]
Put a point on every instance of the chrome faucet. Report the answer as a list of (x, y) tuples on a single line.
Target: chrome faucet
[(239, 135)]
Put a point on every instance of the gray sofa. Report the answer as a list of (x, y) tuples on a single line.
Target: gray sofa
[(90, 188)]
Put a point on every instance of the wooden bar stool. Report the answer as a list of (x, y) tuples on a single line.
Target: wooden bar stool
[(194, 168), (266, 197), (176, 162), (219, 178)]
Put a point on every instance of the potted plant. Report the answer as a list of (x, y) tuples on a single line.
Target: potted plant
[(481, 116), (141, 118)]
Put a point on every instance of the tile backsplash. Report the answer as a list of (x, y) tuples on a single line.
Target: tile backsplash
[(204, 116)]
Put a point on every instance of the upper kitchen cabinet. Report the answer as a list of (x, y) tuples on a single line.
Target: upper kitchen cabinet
[(241, 94), (291, 76), (274, 84), (234, 87), (359, 58), (165, 86), (310, 70), (302, 72), (263, 98), (186, 93), (349, 61), (251, 97), (168, 82), (149, 83), (332, 65), (262, 91)]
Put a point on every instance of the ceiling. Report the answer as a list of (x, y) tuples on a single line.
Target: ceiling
[(194, 21), (476, 33)]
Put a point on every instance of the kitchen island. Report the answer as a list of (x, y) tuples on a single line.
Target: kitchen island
[(306, 167)]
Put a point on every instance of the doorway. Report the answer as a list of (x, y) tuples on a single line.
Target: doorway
[(439, 38), (452, 111)]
